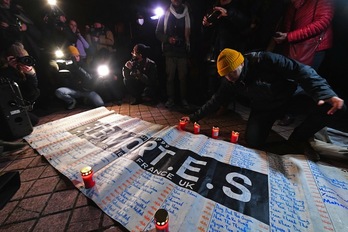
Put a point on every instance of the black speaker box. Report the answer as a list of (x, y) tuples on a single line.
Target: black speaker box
[(14, 119)]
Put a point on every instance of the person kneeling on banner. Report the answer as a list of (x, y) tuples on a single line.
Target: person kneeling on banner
[(76, 82), (140, 75), (269, 81)]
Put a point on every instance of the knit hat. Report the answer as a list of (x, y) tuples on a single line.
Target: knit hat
[(228, 61), (73, 51), (143, 49)]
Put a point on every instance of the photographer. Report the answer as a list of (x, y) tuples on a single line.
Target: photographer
[(140, 75), (100, 39), (77, 84), (17, 66)]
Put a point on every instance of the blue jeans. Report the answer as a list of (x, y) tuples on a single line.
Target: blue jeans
[(260, 123), (68, 95)]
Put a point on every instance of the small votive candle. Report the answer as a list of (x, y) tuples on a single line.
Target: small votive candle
[(234, 137), (196, 128), (182, 124), (162, 220), (215, 132), (87, 176)]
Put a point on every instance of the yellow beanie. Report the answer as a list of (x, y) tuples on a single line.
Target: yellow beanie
[(73, 51), (228, 61)]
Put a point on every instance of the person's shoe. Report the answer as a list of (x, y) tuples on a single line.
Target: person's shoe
[(71, 105), (185, 104), (286, 120), (170, 103), (11, 146), (136, 101)]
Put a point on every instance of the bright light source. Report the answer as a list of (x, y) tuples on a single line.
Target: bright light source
[(59, 53), (52, 2), (158, 13), (103, 70)]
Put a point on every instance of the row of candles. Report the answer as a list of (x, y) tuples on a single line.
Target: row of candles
[(214, 131)]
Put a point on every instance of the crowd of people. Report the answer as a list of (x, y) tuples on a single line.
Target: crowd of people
[(234, 42)]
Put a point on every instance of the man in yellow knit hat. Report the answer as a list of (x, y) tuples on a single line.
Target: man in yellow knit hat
[(269, 81)]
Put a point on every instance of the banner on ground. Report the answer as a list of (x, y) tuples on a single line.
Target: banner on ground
[(205, 184)]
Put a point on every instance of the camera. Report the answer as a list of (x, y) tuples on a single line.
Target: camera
[(211, 18), (135, 68), (26, 60), (96, 32)]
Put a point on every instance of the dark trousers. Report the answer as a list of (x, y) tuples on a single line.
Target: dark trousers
[(260, 123)]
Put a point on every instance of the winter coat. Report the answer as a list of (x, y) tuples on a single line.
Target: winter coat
[(268, 80), (299, 25)]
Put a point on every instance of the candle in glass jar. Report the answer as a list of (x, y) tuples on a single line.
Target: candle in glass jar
[(234, 137), (162, 220), (196, 128), (87, 176), (182, 124), (215, 132)]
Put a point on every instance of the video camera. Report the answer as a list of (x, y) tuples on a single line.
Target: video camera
[(96, 32), (135, 67)]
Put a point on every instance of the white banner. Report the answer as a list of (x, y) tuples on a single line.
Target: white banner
[(205, 184)]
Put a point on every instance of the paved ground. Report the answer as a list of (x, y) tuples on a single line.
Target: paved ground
[(47, 201)]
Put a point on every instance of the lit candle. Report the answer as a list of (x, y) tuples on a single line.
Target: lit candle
[(162, 220), (215, 132), (87, 176), (234, 137), (182, 124), (196, 128)]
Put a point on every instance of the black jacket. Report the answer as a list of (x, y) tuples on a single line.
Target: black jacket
[(268, 81)]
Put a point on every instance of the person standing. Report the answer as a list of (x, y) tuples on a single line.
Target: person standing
[(304, 21), (173, 30)]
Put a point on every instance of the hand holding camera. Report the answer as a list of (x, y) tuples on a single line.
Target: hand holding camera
[(24, 63)]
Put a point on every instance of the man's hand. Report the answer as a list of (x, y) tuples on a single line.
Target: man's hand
[(129, 64), (4, 25), (335, 102), (280, 37), (222, 10)]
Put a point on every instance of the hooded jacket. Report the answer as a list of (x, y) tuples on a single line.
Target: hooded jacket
[(268, 81)]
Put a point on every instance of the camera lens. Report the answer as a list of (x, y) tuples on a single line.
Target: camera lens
[(26, 60)]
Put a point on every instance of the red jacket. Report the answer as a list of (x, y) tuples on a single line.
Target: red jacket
[(299, 25)]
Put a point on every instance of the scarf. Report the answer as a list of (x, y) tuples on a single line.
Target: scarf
[(185, 14)]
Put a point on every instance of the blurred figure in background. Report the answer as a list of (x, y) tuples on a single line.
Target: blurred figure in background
[(174, 30), (81, 43), (140, 75)]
